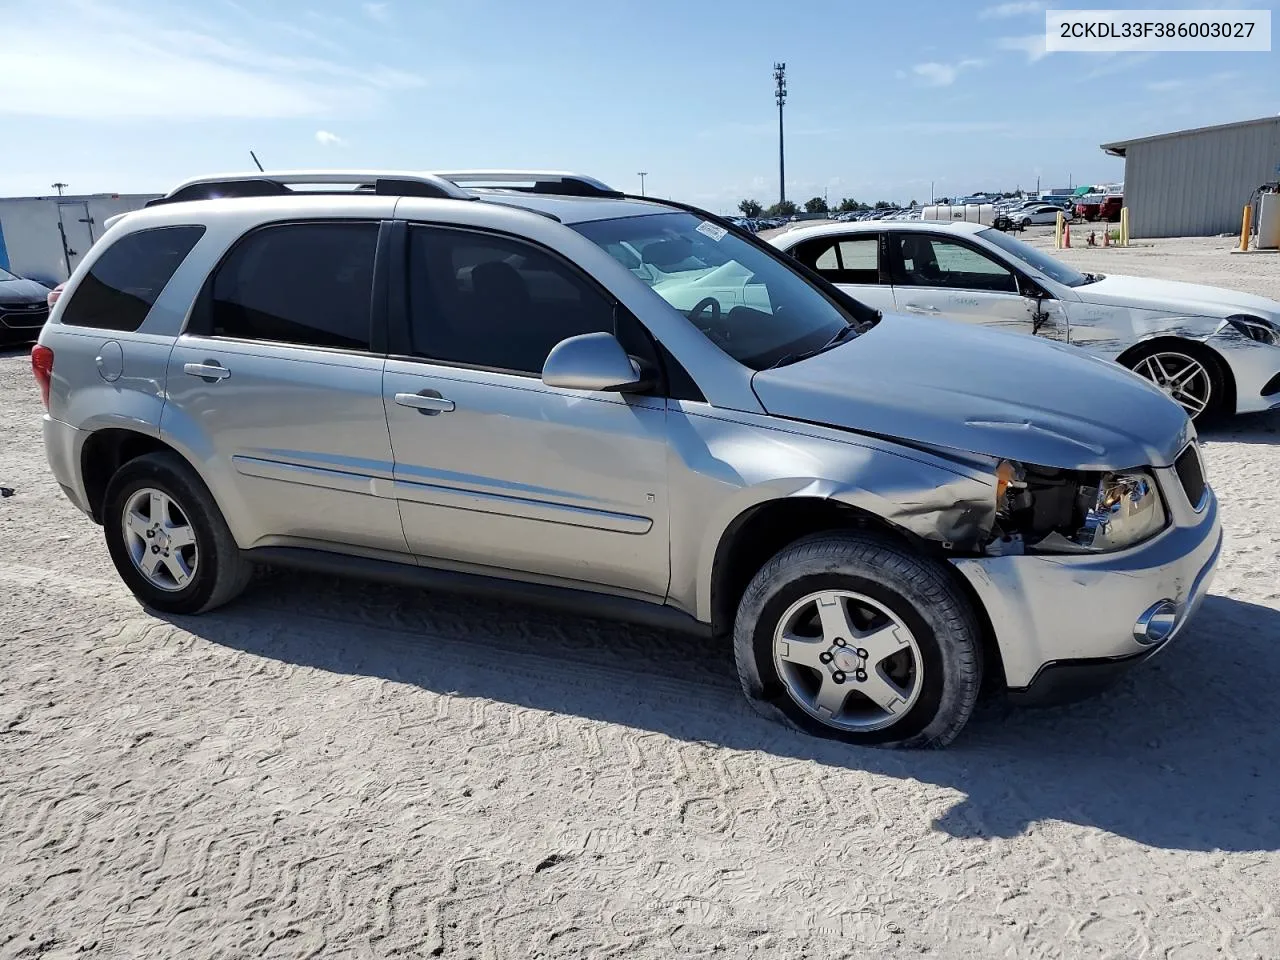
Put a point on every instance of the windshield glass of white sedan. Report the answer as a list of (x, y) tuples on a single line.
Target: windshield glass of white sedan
[(1051, 268), (746, 301)]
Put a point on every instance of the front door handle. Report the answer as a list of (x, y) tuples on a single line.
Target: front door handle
[(210, 371), (429, 402), (923, 307)]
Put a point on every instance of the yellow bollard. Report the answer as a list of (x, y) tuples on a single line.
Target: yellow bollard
[(1246, 221), (1057, 231), (1124, 226)]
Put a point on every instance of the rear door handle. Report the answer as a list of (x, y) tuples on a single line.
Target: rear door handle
[(210, 370), (923, 307), (425, 401)]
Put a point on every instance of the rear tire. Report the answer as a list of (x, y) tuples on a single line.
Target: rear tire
[(168, 539), (837, 625)]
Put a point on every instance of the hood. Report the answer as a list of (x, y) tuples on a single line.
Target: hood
[(22, 291), (965, 388), (1174, 297)]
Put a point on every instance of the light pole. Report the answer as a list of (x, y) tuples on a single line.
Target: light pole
[(642, 175), (780, 94), (59, 186)]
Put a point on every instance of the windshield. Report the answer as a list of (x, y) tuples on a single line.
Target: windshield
[(1054, 269), (6, 275), (747, 301)]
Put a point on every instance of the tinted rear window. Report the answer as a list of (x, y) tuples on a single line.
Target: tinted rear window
[(308, 284), (125, 282)]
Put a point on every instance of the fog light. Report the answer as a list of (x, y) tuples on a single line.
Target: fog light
[(1157, 624)]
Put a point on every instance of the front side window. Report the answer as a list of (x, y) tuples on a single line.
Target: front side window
[(126, 280), (929, 261), (308, 284), (483, 300), (748, 301)]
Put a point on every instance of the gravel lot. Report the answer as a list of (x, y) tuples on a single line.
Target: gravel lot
[(333, 769)]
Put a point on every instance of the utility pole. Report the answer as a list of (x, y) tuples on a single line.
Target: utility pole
[(930, 193), (60, 186), (780, 94), (642, 175)]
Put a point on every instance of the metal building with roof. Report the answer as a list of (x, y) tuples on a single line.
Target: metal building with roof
[(1195, 183)]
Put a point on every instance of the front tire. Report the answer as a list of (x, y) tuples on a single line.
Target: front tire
[(1190, 376), (168, 539), (854, 637)]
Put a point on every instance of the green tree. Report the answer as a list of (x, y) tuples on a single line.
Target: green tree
[(815, 205), (784, 209), (750, 208), (883, 205), (848, 205)]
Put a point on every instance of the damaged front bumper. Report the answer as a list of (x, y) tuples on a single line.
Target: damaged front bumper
[(1255, 370), (1068, 624)]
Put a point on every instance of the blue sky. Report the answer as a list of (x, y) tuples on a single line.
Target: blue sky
[(135, 95)]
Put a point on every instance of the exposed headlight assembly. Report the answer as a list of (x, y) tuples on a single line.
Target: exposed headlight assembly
[(1042, 510), (1126, 511), (1255, 328)]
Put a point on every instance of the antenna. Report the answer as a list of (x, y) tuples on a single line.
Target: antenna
[(780, 95), (255, 160), (59, 186)]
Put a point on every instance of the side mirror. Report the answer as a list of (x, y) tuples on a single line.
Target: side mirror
[(592, 361)]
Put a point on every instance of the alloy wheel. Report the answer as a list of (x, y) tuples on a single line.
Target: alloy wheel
[(160, 539), (1183, 378), (847, 660)]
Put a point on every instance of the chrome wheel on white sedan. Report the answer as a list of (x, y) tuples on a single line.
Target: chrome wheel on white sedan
[(1183, 377)]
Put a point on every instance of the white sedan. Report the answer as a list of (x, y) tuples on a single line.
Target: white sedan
[(1039, 214), (1215, 351)]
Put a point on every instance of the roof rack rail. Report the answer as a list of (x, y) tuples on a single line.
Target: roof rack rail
[(281, 183), (554, 182)]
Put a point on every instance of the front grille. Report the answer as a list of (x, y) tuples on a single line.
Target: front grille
[(24, 315), (1191, 474)]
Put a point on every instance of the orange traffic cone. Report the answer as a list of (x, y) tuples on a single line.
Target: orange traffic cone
[(1066, 235), (1106, 238)]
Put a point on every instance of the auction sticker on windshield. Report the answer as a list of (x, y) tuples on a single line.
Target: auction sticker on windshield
[(709, 229)]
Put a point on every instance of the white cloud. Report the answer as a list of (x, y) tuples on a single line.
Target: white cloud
[(1032, 44), (161, 69), (380, 12), (943, 74), (327, 139), (1002, 11)]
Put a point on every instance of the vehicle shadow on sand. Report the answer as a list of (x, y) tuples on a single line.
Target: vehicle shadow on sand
[(1180, 755), (1245, 428)]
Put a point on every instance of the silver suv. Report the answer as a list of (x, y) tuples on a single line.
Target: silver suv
[(532, 385)]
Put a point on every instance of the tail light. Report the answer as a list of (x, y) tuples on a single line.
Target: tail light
[(54, 294), (42, 367)]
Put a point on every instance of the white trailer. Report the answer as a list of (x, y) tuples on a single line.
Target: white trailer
[(983, 213), (43, 238)]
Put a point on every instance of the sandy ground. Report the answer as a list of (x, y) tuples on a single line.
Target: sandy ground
[(333, 769)]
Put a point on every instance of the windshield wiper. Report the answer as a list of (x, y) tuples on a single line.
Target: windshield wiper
[(839, 337)]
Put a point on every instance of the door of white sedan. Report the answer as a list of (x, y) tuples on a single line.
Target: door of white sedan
[(852, 262), (950, 279)]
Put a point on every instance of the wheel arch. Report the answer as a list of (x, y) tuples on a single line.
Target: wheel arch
[(107, 449), (104, 452)]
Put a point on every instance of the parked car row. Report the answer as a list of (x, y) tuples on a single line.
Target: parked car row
[(560, 394)]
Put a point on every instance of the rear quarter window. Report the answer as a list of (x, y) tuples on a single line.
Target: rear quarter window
[(126, 280)]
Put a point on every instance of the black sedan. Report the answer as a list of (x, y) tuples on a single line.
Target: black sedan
[(24, 307)]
